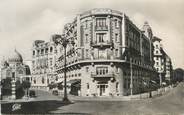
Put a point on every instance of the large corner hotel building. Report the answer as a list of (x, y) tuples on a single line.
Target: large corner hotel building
[(108, 49)]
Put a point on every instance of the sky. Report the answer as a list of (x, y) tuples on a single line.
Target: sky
[(23, 21)]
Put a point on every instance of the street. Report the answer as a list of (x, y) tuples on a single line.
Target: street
[(171, 103)]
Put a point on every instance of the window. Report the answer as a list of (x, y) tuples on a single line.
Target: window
[(116, 37), (116, 52), (87, 69), (51, 49), (101, 37), (100, 22), (33, 53), (42, 51), (46, 50), (13, 75), (116, 23), (86, 36), (156, 46), (43, 80), (117, 85), (101, 70), (34, 81), (87, 85), (157, 52)]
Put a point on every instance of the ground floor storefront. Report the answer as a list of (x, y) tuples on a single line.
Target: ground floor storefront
[(107, 79)]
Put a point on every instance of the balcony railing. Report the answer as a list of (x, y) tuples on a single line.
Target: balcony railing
[(102, 44), (111, 74), (101, 28)]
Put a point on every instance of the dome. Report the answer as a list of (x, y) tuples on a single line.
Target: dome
[(146, 26), (15, 57)]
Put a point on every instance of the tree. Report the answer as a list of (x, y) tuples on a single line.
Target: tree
[(19, 89), (7, 88)]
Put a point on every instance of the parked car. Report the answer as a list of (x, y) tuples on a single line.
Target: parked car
[(55, 92), (32, 93)]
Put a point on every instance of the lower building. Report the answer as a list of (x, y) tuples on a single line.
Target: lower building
[(15, 70), (44, 55), (163, 63)]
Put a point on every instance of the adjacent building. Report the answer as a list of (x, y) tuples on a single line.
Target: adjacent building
[(44, 55), (15, 69), (163, 63), (111, 56)]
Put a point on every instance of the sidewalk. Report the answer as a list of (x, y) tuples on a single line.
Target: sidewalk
[(49, 96), (159, 92)]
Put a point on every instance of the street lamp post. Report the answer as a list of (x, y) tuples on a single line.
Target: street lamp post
[(61, 39), (150, 94), (131, 77)]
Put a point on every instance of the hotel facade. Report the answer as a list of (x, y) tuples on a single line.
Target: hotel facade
[(44, 56), (163, 63), (110, 57)]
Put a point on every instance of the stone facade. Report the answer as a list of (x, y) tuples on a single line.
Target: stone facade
[(163, 63), (44, 55), (106, 44)]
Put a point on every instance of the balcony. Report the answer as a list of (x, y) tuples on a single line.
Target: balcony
[(102, 44), (107, 75), (101, 28)]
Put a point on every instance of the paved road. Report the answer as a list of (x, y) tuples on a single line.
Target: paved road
[(172, 103)]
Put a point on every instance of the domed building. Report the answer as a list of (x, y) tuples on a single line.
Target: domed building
[(15, 57), (14, 67)]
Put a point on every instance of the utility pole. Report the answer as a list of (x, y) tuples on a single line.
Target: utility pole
[(131, 79), (160, 76)]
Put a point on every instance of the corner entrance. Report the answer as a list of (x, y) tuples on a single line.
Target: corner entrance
[(102, 89), (102, 86)]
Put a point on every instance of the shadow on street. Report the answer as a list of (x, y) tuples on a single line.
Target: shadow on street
[(34, 107)]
